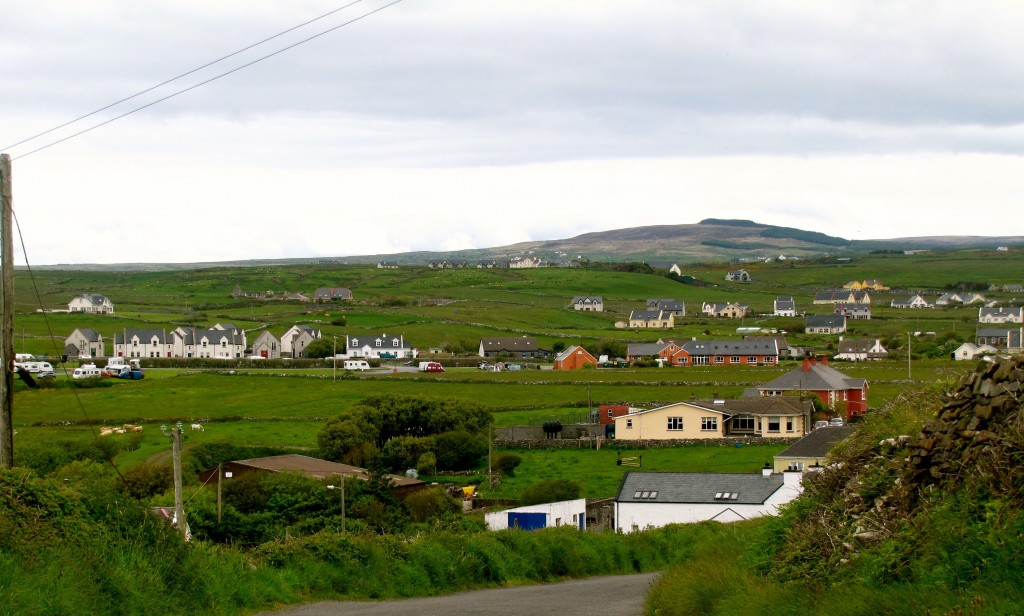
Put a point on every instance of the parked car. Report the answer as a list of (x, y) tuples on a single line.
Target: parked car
[(835, 421), (820, 424), (433, 367)]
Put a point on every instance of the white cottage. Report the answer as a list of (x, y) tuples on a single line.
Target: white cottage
[(653, 500), (91, 303)]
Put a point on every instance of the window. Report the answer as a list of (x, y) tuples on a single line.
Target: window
[(752, 359), (709, 424), (719, 359), (629, 423), (675, 423), (743, 422), (394, 342), (773, 424), (611, 413), (789, 424), (204, 344), (733, 359), (681, 360), (378, 342)]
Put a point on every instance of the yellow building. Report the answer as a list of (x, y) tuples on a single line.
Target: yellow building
[(769, 417)]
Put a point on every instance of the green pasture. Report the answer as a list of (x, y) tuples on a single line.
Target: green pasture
[(598, 472)]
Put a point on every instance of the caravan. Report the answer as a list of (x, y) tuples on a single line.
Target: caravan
[(87, 371), (356, 364)]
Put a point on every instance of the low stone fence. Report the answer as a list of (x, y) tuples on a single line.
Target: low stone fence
[(603, 443)]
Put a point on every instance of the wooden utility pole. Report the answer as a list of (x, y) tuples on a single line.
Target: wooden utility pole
[(7, 319), (179, 501), (220, 493)]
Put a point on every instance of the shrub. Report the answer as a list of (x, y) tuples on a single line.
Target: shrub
[(507, 464), (551, 491)]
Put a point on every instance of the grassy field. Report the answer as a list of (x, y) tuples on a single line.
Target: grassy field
[(454, 309)]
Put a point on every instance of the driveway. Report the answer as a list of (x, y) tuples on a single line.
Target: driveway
[(621, 595)]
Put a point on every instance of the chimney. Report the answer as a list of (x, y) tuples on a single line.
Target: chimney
[(807, 365), (767, 470)]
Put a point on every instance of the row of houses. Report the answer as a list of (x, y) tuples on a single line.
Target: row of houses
[(225, 341), (511, 263)]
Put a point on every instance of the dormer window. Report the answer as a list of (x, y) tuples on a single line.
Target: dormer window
[(394, 342), (378, 342)]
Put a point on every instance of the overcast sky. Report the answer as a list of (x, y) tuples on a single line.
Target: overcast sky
[(452, 124)]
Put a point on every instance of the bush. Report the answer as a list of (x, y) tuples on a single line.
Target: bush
[(507, 464), (551, 491)]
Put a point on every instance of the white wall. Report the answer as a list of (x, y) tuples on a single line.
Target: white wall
[(559, 514)]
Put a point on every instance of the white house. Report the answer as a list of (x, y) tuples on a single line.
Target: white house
[(85, 342), (1009, 314), (861, 349), (266, 346), (652, 500), (915, 301), (566, 513), (588, 303), (222, 341), (382, 346), (91, 303), (289, 337), (969, 351), (143, 343), (784, 306)]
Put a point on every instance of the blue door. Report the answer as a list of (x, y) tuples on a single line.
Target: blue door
[(527, 521)]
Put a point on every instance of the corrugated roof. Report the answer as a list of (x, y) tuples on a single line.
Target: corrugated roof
[(315, 467)]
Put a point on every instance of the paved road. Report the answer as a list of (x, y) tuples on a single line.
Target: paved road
[(621, 595)]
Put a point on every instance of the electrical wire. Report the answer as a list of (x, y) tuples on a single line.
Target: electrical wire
[(203, 83), (185, 74)]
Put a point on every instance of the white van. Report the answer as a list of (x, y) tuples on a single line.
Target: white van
[(87, 371), (356, 364)]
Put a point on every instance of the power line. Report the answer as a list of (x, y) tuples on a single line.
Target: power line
[(185, 74), (203, 83)]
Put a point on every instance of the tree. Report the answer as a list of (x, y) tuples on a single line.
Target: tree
[(551, 491), (557, 347), (456, 430), (507, 464), (319, 348), (431, 503)]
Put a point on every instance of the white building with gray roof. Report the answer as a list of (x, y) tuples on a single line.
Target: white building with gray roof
[(652, 500)]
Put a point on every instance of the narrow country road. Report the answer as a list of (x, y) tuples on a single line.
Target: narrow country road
[(621, 595)]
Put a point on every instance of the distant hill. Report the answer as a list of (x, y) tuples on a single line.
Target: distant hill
[(710, 240)]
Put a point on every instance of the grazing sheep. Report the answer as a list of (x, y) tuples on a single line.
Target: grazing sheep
[(198, 427)]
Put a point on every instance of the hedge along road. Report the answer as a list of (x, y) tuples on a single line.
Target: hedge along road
[(620, 595)]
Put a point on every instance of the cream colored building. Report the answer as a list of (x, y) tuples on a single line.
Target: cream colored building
[(761, 416)]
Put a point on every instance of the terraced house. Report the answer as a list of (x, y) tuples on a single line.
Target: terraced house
[(760, 352)]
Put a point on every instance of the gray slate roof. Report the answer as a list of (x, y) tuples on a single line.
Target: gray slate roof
[(817, 443), (820, 320), (644, 349), (732, 347), (750, 489), (145, 335), (517, 344), (817, 377), (89, 334)]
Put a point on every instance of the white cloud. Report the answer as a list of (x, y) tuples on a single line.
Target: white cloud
[(437, 125)]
